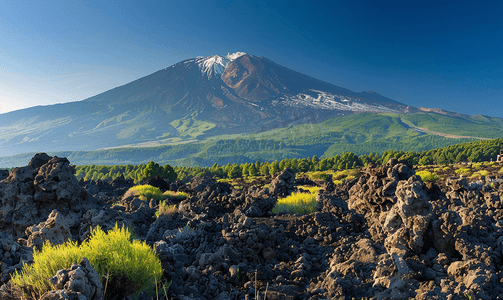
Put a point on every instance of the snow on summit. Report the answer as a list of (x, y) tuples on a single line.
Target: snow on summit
[(215, 64)]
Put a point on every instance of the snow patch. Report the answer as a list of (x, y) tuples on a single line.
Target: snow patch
[(328, 101), (215, 65)]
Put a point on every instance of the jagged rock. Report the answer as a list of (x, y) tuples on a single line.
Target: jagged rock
[(105, 218), (407, 222), (258, 202), (477, 277), (30, 193), (108, 190), (158, 182), (56, 230), (283, 184), (381, 235), (3, 174), (12, 256), (79, 282), (198, 184)]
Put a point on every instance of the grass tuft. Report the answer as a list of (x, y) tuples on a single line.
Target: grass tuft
[(298, 203), (165, 209), (480, 173), (128, 266), (146, 192), (427, 175), (463, 171)]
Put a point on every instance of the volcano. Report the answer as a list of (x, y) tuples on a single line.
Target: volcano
[(188, 101)]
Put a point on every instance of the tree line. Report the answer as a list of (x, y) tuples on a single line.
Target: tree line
[(467, 152)]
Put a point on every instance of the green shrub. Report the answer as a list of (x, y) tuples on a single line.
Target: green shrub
[(318, 175), (477, 165), (174, 195), (165, 209), (124, 265), (146, 192), (463, 171), (480, 173), (427, 175), (297, 203)]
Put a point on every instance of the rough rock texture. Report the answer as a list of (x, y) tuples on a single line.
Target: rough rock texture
[(56, 230), (283, 184), (12, 256), (79, 282), (3, 174), (382, 235), (30, 193)]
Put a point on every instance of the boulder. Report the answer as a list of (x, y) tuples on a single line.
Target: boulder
[(283, 184), (32, 192), (56, 230), (79, 282)]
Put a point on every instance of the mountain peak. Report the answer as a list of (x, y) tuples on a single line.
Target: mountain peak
[(216, 64)]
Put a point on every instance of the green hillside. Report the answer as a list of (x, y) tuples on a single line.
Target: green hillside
[(357, 133)]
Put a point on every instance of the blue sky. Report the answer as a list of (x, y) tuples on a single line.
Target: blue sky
[(446, 54)]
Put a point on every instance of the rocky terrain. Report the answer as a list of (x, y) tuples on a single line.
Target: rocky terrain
[(382, 235)]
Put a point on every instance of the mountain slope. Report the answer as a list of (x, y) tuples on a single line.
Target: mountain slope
[(357, 133), (188, 101)]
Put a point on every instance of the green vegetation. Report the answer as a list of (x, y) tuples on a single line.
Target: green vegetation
[(135, 172), (190, 127), (358, 133), (146, 192), (165, 209), (463, 171), (480, 173), (427, 175), (341, 166), (127, 266), (476, 126), (298, 202)]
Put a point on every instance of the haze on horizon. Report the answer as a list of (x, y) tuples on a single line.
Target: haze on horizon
[(444, 54)]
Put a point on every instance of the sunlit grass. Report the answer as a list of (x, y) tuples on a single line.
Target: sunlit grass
[(114, 255), (477, 165), (298, 203), (427, 175), (480, 173), (463, 171), (146, 192), (338, 177), (165, 209)]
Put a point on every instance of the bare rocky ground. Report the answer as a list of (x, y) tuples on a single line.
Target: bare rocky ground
[(382, 235)]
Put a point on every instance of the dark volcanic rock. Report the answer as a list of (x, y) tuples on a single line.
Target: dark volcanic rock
[(283, 184), (158, 182), (30, 193), (78, 282), (382, 235), (3, 174)]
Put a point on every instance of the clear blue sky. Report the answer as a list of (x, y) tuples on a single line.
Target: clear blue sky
[(446, 54)]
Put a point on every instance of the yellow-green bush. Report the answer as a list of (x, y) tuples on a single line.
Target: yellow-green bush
[(165, 209), (318, 175), (146, 192), (175, 195), (480, 173), (298, 203), (125, 266), (477, 165), (427, 175), (463, 171)]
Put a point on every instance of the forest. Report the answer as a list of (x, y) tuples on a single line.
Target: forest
[(467, 152)]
